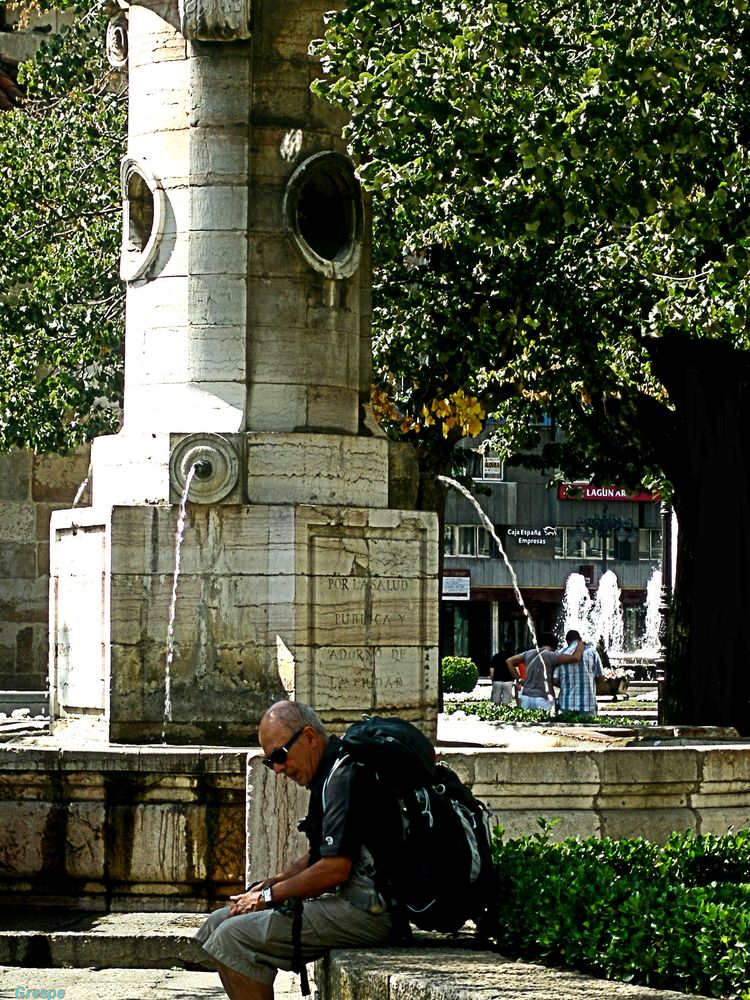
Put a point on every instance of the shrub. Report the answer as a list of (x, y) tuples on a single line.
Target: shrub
[(488, 711), (673, 917), (459, 674)]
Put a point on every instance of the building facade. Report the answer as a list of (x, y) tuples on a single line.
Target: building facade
[(548, 534)]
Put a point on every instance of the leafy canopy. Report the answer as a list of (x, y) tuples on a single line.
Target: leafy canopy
[(555, 187), (61, 305)]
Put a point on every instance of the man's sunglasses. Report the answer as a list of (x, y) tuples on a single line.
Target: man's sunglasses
[(280, 754)]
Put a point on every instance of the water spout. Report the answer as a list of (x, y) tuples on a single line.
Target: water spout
[(180, 534), (606, 616), (491, 528), (650, 641), (82, 488)]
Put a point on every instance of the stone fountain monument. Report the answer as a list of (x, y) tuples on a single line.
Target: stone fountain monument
[(303, 570), (246, 259)]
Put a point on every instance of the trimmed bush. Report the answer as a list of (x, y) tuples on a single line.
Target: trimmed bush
[(674, 917), (459, 674), (510, 714)]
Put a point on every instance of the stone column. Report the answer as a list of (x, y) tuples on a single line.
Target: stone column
[(247, 261)]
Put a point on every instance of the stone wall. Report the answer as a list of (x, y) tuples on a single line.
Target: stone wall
[(167, 828), (31, 487), (335, 607), (631, 791), (127, 829), (614, 792), (21, 41)]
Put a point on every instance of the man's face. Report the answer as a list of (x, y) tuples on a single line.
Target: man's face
[(304, 754)]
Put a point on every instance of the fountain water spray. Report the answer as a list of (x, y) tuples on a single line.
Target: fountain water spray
[(650, 642), (606, 616), (83, 487), (577, 606), (180, 534), (491, 528), (594, 619)]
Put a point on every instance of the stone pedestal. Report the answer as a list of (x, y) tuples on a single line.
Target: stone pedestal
[(334, 606)]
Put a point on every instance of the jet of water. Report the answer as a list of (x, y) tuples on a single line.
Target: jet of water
[(577, 606), (83, 487), (180, 534), (606, 617), (650, 642), (491, 528)]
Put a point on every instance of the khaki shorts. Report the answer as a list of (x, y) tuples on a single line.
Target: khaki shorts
[(258, 944)]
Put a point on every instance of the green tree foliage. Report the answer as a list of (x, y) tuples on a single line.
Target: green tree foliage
[(562, 184), (61, 304), (561, 200)]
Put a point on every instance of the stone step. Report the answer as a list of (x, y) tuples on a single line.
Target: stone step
[(124, 984), (51, 938)]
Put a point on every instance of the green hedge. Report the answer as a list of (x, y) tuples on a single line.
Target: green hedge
[(490, 712), (459, 673), (673, 917)]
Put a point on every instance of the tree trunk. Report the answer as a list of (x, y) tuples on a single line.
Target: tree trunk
[(707, 459)]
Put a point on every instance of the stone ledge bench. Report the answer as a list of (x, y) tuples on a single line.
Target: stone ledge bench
[(434, 971)]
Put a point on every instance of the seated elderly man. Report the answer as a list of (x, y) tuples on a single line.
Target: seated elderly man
[(252, 938)]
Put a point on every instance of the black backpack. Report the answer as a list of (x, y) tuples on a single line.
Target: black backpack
[(429, 836)]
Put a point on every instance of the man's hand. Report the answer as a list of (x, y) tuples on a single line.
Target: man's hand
[(247, 902)]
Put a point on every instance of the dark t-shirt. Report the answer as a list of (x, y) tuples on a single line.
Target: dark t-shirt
[(499, 668), (331, 824), (336, 821)]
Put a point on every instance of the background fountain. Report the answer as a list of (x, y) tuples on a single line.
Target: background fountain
[(598, 617), (650, 639), (606, 614), (601, 618), (577, 607)]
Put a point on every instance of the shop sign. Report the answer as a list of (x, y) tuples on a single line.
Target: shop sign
[(532, 536), (456, 585), (523, 542), (586, 491)]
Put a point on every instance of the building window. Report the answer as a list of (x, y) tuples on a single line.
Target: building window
[(569, 544), (467, 540), (649, 544)]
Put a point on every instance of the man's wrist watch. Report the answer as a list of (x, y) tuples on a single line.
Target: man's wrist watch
[(267, 895)]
